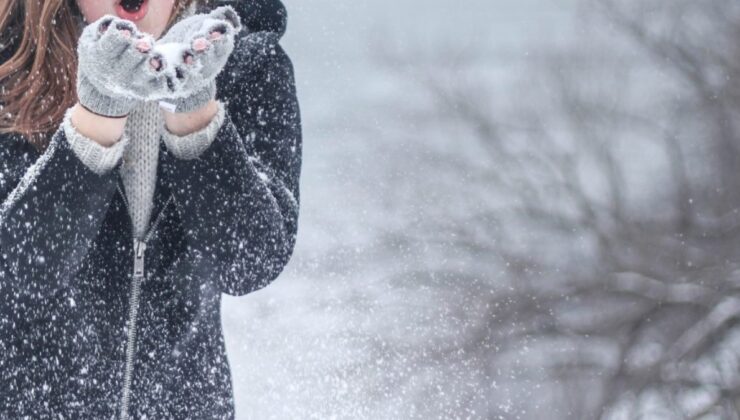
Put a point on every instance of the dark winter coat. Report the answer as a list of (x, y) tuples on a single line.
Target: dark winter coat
[(75, 317)]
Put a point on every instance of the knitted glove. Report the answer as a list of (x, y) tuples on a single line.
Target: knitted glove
[(114, 72), (193, 53)]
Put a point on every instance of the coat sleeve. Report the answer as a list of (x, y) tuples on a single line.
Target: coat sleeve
[(52, 206), (239, 198)]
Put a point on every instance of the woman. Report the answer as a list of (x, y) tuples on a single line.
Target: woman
[(150, 154)]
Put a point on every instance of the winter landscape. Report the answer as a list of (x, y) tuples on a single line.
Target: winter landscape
[(509, 210)]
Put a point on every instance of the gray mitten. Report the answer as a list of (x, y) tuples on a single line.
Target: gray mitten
[(114, 72), (192, 54)]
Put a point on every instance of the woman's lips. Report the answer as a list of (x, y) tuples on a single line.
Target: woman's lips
[(130, 14)]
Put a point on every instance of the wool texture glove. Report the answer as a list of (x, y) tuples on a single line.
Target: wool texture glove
[(114, 73), (192, 54)]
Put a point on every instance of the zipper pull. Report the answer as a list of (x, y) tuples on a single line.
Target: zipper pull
[(139, 248)]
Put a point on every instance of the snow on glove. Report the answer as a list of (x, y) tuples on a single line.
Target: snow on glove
[(114, 72), (193, 53)]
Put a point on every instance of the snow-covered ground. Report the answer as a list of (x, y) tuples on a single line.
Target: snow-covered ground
[(341, 335)]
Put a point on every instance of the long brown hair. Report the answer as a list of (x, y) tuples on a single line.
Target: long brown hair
[(38, 64)]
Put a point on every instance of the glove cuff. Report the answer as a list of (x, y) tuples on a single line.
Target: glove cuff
[(197, 100), (100, 104)]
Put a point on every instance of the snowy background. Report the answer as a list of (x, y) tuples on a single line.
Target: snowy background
[(509, 209)]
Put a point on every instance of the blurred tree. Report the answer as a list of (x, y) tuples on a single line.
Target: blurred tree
[(607, 188)]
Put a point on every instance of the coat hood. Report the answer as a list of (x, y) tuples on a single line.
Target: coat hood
[(257, 15)]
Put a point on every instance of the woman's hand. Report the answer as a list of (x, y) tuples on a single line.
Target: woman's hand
[(116, 67), (119, 67), (192, 54)]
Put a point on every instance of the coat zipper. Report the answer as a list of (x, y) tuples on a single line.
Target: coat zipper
[(138, 276)]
